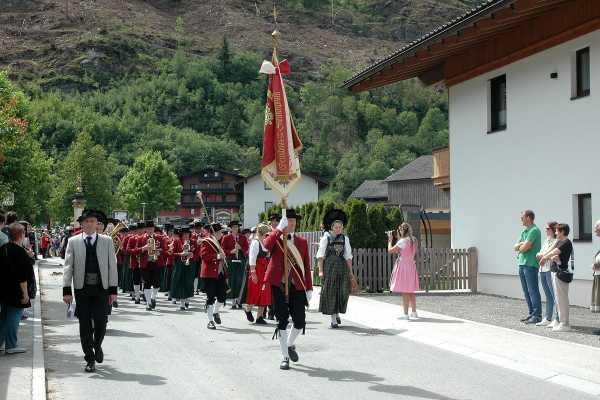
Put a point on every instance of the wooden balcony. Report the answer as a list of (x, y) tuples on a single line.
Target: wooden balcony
[(441, 168)]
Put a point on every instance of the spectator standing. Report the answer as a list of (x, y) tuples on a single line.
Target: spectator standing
[(3, 236), (528, 246), (11, 217), (546, 276), (16, 268), (595, 307), (560, 257)]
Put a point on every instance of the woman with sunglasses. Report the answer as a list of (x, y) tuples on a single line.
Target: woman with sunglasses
[(546, 277)]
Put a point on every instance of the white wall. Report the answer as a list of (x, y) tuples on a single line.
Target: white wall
[(549, 152), (255, 196)]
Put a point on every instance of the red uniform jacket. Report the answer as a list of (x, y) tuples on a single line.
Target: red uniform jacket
[(194, 237), (210, 263), (274, 272), (177, 248), (121, 237), (136, 250), (228, 244), (130, 243)]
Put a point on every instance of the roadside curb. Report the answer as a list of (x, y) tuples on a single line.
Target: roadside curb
[(38, 381)]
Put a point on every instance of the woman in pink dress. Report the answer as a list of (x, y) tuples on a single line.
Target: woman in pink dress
[(404, 276)]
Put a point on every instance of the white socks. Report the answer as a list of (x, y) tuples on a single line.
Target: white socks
[(136, 290), (333, 320), (283, 344), (154, 293), (209, 312), (148, 294), (293, 336)]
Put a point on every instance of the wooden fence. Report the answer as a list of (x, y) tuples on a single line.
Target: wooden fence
[(438, 269)]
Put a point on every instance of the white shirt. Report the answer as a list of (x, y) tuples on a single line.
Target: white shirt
[(255, 247), (94, 237), (546, 247), (325, 241)]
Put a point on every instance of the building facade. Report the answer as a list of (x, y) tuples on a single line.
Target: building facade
[(523, 83), (223, 196), (258, 197)]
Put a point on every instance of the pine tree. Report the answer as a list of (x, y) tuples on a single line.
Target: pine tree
[(394, 219), (377, 222), (359, 230)]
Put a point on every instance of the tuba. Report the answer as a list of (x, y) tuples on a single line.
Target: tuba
[(114, 235), (152, 249)]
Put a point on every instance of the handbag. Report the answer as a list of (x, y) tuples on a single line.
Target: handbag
[(564, 274)]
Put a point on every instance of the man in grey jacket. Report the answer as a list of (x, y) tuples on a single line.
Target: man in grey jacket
[(91, 266)]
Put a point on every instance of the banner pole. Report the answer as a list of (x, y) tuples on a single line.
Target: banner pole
[(286, 266)]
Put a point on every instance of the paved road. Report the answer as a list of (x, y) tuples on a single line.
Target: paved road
[(168, 354)]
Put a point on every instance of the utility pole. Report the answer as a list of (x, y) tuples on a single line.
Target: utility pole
[(143, 211)]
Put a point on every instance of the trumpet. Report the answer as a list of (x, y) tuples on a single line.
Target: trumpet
[(114, 235), (152, 250), (187, 247)]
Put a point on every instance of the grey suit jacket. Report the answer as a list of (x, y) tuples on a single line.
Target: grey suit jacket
[(74, 270)]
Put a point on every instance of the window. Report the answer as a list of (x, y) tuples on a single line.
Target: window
[(582, 73), (497, 104), (268, 205), (584, 221), (267, 187)]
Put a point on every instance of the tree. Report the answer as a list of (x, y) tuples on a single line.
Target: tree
[(377, 222), (359, 230), (151, 181), (394, 219), (87, 164), (24, 168)]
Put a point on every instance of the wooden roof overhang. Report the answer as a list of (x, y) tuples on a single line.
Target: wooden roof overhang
[(496, 34)]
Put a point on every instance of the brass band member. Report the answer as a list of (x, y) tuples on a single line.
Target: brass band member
[(213, 274)]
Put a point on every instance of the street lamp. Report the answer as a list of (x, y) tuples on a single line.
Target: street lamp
[(143, 211)]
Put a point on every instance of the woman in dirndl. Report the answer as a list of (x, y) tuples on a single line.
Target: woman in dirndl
[(595, 307), (258, 294), (334, 259), (182, 280), (405, 279)]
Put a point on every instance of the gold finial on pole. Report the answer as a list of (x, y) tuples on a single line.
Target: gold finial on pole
[(276, 36)]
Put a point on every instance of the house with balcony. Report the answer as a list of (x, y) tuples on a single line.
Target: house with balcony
[(522, 79), (223, 194)]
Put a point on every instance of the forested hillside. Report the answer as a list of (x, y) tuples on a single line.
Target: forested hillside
[(180, 78)]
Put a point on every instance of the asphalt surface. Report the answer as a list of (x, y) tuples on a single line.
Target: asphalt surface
[(169, 354)]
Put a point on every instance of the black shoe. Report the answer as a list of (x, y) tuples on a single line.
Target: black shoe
[(144, 297), (217, 318), (338, 320), (187, 305), (131, 298), (197, 292), (293, 354), (249, 316), (90, 367), (137, 301), (148, 307), (525, 318), (169, 298), (285, 364), (334, 326), (115, 304), (260, 321), (271, 317), (167, 294), (211, 325), (153, 304), (596, 332), (99, 355), (182, 308)]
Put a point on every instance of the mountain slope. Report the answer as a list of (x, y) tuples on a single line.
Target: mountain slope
[(83, 44)]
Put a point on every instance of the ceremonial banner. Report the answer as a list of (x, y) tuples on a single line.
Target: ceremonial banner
[(280, 166)]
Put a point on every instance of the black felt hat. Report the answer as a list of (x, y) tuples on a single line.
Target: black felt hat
[(141, 225), (291, 213), (235, 222), (101, 217), (184, 229), (274, 216), (198, 224), (88, 213), (149, 224), (216, 227), (332, 216)]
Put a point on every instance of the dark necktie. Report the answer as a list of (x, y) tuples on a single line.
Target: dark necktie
[(88, 241)]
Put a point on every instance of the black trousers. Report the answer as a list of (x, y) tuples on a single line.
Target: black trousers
[(168, 278), (137, 276), (215, 288), (91, 307), (294, 307), (151, 275)]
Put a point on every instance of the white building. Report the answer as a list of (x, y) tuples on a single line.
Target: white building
[(258, 197), (523, 80)]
